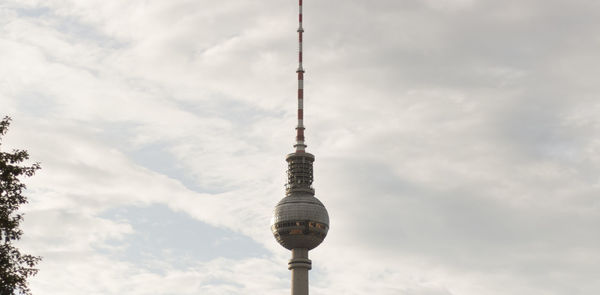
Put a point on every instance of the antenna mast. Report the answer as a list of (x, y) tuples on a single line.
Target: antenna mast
[(300, 146)]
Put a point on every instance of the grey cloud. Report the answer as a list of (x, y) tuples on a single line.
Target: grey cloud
[(455, 140)]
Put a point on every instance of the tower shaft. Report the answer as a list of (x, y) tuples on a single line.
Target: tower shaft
[(300, 265)]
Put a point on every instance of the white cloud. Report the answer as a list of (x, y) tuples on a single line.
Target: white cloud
[(455, 140)]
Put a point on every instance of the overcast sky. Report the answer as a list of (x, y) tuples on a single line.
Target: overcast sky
[(457, 143)]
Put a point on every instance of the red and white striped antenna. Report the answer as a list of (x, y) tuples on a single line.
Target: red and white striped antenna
[(300, 146)]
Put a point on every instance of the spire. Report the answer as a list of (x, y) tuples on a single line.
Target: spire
[(300, 146), (300, 163)]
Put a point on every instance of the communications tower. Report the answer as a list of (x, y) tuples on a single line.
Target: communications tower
[(300, 221)]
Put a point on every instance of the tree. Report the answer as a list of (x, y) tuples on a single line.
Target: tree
[(15, 267)]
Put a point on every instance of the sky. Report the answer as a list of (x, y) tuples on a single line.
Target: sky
[(456, 143)]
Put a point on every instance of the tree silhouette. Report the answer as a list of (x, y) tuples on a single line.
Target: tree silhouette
[(15, 267)]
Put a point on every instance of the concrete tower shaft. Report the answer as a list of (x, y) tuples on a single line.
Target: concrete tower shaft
[(299, 265)]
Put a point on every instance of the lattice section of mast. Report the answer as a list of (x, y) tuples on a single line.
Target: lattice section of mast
[(300, 173)]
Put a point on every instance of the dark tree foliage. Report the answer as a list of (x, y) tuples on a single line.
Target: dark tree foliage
[(15, 267)]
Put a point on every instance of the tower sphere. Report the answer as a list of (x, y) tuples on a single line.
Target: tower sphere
[(300, 221)]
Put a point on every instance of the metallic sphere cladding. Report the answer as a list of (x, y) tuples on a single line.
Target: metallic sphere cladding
[(300, 221)]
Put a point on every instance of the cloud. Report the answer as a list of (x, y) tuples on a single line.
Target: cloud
[(455, 141)]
